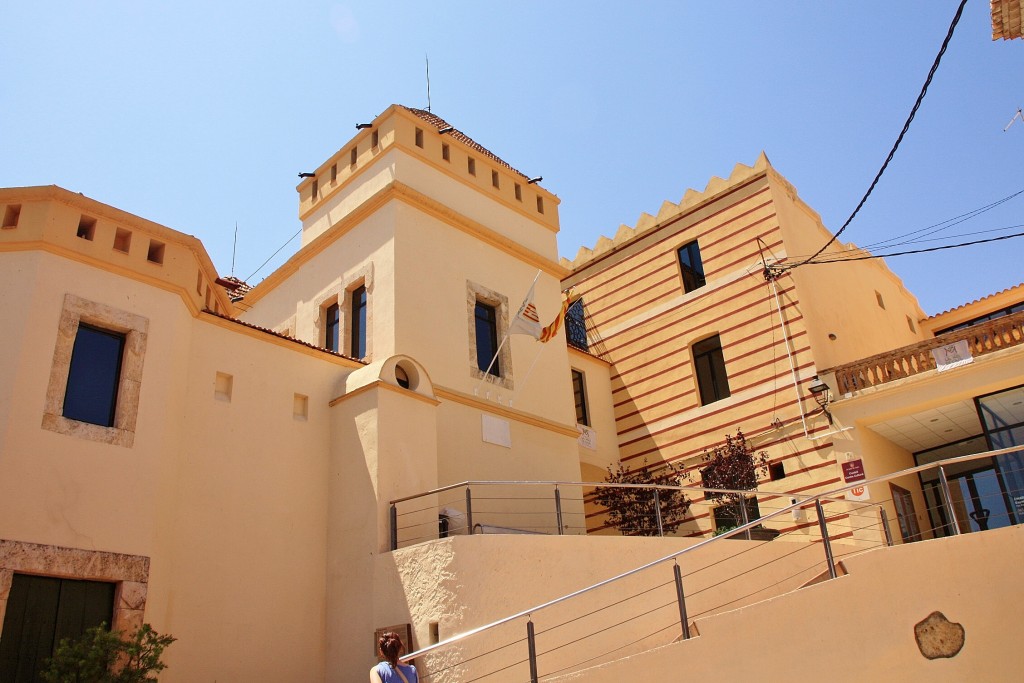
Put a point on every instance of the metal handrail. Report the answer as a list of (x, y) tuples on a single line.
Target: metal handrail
[(592, 484), (673, 556)]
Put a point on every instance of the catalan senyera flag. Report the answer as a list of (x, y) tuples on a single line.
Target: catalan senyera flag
[(549, 332)]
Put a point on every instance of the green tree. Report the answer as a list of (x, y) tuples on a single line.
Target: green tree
[(102, 656), (732, 465), (632, 510)]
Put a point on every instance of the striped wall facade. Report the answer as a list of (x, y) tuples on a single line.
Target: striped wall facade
[(645, 325)]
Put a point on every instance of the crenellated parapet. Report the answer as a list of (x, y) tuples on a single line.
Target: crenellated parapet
[(691, 200)]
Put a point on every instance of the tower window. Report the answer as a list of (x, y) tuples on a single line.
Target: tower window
[(487, 338), (709, 367), (691, 267), (332, 320), (358, 322)]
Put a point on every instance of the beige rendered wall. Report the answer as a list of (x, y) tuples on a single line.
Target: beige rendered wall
[(860, 627), (462, 583), (603, 449), (246, 566), (226, 499), (840, 299), (318, 275), (880, 457)]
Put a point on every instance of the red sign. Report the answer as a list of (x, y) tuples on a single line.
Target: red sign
[(853, 470)]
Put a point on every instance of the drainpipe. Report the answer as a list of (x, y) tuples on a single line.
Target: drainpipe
[(792, 362)]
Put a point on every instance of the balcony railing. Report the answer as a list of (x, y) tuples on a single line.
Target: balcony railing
[(984, 338)]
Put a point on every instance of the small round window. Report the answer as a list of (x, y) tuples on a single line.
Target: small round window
[(401, 377)]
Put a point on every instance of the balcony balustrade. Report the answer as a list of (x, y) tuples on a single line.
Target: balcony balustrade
[(983, 338)]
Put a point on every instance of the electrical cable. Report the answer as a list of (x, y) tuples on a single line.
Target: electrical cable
[(843, 259), (906, 127)]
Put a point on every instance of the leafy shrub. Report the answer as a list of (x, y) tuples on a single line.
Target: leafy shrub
[(102, 656)]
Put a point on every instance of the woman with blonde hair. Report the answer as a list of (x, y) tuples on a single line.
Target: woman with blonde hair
[(390, 671)]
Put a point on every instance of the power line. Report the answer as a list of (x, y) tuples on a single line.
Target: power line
[(866, 257), (940, 226), (906, 127), (273, 255)]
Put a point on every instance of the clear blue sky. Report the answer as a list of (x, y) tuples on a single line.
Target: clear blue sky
[(199, 115)]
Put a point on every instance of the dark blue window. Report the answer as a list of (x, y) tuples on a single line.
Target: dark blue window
[(332, 318), (691, 267), (94, 376), (487, 338), (359, 322)]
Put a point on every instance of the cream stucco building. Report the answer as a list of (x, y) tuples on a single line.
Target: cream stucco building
[(221, 461)]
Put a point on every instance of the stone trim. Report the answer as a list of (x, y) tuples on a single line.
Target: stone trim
[(474, 293), (340, 293), (136, 331), (129, 572)]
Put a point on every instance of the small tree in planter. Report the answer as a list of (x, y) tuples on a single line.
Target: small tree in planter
[(632, 510), (733, 465)]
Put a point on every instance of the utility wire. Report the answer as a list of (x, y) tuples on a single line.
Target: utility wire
[(913, 251), (273, 255), (940, 226), (906, 127)]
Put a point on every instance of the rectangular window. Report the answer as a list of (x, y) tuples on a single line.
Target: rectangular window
[(487, 338), (332, 320), (94, 376), (446, 152), (375, 139), (494, 179), (691, 267), (730, 516), (576, 326), (540, 204), (122, 240), (519, 192), (334, 174), (155, 253), (419, 137), (87, 228), (709, 367), (314, 193), (579, 394), (11, 215), (471, 165), (358, 312), (353, 157)]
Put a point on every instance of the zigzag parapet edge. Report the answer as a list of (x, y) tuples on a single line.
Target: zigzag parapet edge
[(668, 210)]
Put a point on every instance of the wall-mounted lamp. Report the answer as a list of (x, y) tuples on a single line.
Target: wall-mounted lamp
[(534, 181), (446, 129), (307, 175), (362, 126), (819, 390)]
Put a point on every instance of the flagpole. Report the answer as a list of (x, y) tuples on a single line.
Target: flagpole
[(494, 358)]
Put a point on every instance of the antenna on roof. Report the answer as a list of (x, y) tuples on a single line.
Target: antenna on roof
[(1016, 116), (234, 248), (427, 57)]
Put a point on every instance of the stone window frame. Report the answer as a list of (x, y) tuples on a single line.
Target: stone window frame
[(135, 329), (341, 294), (478, 293), (130, 573)]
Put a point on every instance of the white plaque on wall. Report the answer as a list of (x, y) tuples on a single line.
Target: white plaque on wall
[(588, 437), (497, 431)]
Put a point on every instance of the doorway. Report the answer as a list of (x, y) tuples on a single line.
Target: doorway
[(42, 610)]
